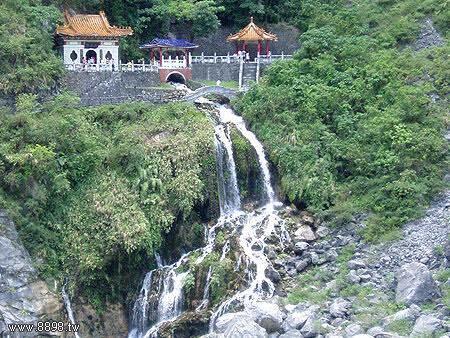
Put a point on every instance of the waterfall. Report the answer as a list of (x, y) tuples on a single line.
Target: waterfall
[(68, 306), (205, 299), (227, 115), (251, 229), (229, 199)]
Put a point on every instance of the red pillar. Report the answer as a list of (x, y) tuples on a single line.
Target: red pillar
[(244, 46), (160, 56), (259, 47), (237, 47), (267, 47)]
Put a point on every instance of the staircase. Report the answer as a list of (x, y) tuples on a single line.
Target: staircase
[(249, 73)]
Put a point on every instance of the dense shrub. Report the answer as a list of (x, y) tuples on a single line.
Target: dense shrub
[(350, 122), (91, 187)]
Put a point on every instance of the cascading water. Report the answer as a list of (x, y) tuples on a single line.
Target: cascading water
[(228, 189), (252, 229), (68, 306)]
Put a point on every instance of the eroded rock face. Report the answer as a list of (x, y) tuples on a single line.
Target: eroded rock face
[(267, 315), (415, 284), (111, 323), (24, 298), (426, 326), (240, 326)]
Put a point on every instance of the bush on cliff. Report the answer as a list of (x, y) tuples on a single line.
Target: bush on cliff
[(351, 122), (94, 189), (28, 63)]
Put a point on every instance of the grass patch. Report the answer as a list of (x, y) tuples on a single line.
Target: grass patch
[(311, 287), (403, 327), (226, 84)]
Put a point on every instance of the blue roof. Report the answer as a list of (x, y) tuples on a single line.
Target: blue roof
[(168, 43)]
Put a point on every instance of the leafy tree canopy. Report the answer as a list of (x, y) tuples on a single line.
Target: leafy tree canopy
[(351, 122)]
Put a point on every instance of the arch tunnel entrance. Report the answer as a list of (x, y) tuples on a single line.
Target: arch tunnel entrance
[(176, 78)]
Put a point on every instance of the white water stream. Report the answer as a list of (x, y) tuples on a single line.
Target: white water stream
[(68, 306), (252, 228)]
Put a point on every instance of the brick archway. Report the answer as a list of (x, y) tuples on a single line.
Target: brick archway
[(176, 77), (185, 73)]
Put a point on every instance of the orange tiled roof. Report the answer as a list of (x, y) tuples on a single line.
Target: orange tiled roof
[(251, 32), (91, 25)]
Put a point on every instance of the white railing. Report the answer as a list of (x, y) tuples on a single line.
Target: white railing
[(89, 67), (235, 59), (138, 67), (123, 67), (174, 63)]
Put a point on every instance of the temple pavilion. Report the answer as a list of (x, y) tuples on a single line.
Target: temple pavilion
[(252, 34), (166, 52), (90, 39)]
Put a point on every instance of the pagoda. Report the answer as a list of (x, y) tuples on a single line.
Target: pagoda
[(172, 57), (252, 34), (90, 39)]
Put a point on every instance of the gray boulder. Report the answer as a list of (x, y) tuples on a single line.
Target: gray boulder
[(340, 308), (24, 298), (353, 277), (353, 329), (224, 321), (295, 320), (311, 327), (304, 233), (267, 315), (426, 325), (373, 331), (355, 264), (299, 247), (302, 264), (415, 284), (410, 314), (241, 327), (291, 334)]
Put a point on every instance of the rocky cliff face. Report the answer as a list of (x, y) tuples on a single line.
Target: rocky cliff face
[(24, 298)]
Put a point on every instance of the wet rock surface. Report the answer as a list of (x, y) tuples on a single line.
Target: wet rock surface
[(24, 298)]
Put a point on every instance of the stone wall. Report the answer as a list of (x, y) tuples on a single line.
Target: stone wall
[(218, 71), (217, 42), (98, 88), (215, 71)]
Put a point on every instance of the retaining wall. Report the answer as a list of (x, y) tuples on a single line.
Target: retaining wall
[(115, 87)]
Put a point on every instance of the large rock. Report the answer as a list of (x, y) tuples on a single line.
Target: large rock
[(242, 327), (304, 233), (224, 321), (267, 315), (415, 284), (291, 334), (295, 320), (353, 330), (311, 327), (426, 326), (410, 314), (24, 298), (302, 264), (298, 318), (340, 308)]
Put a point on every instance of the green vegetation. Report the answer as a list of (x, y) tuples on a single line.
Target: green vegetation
[(311, 287), (226, 84), (94, 189), (247, 168), (350, 122), (403, 327), (27, 60)]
